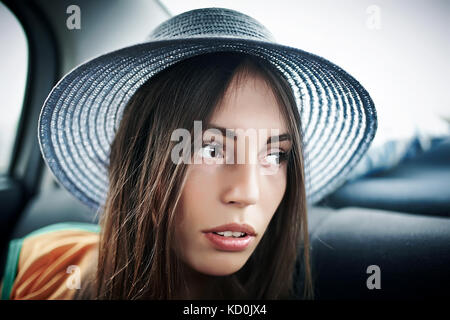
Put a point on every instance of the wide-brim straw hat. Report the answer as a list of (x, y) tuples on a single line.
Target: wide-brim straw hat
[(80, 116)]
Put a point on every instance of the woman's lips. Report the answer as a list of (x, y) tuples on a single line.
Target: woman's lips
[(229, 243), (235, 227)]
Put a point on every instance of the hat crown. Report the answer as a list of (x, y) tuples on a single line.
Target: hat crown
[(209, 23)]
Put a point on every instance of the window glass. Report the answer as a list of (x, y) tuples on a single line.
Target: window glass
[(13, 75)]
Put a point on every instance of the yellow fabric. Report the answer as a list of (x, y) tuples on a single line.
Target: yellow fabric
[(46, 264)]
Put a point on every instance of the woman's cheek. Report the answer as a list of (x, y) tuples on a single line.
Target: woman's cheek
[(275, 184), (200, 188), (197, 199)]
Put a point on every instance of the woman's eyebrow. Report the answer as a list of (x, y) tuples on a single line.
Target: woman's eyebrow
[(227, 133), (281, 137)]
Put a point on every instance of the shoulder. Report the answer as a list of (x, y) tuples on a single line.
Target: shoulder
[(50, 263)]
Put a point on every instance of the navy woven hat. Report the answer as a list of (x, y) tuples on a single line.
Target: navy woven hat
[(80, 116)]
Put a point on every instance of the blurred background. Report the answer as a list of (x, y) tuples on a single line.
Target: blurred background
[(394, 210)]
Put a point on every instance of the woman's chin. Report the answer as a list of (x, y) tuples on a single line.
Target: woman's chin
[(219, 269)]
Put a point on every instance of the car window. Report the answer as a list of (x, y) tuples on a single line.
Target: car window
[(13, 75)]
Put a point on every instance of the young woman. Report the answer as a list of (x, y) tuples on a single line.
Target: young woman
[(157, 212), (183, 218)]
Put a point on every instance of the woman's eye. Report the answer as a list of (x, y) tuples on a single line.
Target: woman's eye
[(211, 151), (276, 158)]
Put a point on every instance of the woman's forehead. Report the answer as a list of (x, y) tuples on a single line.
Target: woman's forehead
[(249, 103)]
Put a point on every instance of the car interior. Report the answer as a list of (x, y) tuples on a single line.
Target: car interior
[(395, 217)]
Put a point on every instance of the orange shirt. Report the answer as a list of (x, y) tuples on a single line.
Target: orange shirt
[(50, 263)]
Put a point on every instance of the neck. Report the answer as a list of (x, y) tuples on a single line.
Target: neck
[(199, 286)]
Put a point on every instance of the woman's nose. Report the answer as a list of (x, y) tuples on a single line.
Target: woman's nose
[(242, 185)]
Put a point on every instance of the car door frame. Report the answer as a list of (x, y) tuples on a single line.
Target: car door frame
[(21, 181)]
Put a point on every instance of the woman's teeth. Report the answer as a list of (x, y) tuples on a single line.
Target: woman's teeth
[(231, 234)]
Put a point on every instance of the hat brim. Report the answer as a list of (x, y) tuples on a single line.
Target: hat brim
[(83, 111)]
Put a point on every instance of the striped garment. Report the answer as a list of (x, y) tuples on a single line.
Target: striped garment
[(51, 262)]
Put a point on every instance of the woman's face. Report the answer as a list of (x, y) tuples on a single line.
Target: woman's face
[(223, 194)]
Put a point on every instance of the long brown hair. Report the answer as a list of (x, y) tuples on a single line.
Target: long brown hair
[(135, 256)]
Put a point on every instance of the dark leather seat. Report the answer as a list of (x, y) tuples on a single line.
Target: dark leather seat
[(52, 207), (412, 252), (418, 185)]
